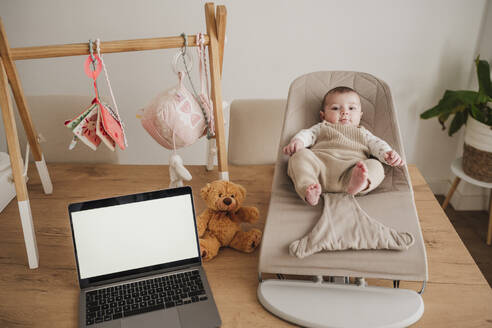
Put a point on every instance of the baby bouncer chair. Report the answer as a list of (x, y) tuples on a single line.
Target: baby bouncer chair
[(331, 300)]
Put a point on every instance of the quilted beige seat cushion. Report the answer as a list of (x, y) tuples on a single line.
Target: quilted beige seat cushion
[(392, 203)]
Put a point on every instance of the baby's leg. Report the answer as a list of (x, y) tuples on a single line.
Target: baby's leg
[(304, 169), (375, 174), (312, 194), (365, 176), (358, 179)]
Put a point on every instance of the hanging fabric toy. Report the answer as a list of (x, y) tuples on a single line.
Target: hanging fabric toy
[(98, 122), (177, 171), (176, 118)]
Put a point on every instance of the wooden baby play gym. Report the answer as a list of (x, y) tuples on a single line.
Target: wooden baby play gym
[(215, 23)]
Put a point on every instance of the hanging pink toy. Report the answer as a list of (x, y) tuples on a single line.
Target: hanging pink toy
[(176, 118), (99, 121)]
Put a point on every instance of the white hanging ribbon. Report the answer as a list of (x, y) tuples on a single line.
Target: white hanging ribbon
[(204, 97), (98, 43)]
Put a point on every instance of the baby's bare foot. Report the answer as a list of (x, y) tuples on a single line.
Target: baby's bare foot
[(312, 194), (358, 179)]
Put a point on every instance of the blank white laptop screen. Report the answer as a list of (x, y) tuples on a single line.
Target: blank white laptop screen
[(135, 235)]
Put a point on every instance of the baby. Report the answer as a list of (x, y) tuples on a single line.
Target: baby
[(338, 157)]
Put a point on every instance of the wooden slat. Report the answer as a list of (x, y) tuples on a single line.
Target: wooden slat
[(19, 97), (77, 49), (221, 16), (215, 77), (12, 137)]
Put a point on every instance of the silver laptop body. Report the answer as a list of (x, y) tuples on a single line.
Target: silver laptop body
[(138, 262)]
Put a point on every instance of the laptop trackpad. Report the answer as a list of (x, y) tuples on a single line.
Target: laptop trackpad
[(156, 319)]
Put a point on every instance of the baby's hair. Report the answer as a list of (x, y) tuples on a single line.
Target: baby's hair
[(337, 90)]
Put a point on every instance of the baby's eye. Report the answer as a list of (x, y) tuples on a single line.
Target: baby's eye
[(334, 108), (220, 195), (232, 196)]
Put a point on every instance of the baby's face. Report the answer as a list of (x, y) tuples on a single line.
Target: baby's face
[(342, 108)]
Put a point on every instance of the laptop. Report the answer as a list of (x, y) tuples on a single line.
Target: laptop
[(138, 262)]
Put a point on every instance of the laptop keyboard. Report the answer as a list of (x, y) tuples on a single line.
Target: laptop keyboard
[(144, 296)]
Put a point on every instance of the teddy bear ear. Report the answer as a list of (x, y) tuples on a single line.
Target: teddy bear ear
[(242, 191), (205, 190)]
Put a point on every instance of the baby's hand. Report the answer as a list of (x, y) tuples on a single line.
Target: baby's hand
[(392, 158), (293, 147)]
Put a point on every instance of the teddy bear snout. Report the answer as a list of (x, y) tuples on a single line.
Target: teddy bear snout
[(227, 201)]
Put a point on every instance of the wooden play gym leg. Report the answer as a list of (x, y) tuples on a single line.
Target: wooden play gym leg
[(17, 170), (216, 92), (13, 77), (451, 192)]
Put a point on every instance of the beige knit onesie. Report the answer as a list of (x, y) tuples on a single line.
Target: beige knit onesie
[(331, 159)]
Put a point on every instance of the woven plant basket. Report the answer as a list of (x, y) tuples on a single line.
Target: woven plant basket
[(477, 150)]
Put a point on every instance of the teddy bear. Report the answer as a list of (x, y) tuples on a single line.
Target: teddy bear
[(220, 224)]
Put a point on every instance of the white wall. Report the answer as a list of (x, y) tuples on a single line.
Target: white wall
[(468, 196), (420, 48), (484, 46)]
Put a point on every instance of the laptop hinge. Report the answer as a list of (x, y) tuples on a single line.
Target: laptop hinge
[(145, 274)]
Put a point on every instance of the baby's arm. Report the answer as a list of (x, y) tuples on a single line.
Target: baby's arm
[(381, 150), (293, 146), (303, 139), (392, 158)]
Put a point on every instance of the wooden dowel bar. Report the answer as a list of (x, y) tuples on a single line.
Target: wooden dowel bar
[(77, 49)]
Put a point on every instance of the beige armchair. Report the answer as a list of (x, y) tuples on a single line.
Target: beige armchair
[(254, 130)]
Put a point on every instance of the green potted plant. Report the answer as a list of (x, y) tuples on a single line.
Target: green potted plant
[(473, 108)]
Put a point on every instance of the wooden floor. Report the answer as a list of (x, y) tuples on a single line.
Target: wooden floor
[(457, 294), (471, 226)]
